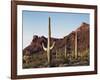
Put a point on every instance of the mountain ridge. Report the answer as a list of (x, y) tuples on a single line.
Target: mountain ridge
[(83, 41)]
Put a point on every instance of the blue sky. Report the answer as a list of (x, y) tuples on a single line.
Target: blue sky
[(36, 23)]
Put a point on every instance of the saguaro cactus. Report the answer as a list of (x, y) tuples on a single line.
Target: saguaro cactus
[(65, 52), (57, 53), (76, 54), (48, 43)]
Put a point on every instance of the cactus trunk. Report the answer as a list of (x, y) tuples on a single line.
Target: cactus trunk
[(48, 47), (76, 54), (65, 52)]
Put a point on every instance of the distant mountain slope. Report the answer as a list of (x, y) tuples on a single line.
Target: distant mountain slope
[(35, 46)]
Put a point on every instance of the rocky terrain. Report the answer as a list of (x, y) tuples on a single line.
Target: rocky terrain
[(37, 54)]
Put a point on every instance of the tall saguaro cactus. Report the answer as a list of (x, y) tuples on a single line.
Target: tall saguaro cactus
[(48, 43), (76, 54), (65, 49), (65, 52)]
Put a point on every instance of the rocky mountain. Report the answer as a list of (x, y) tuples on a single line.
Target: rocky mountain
[(68, 41)]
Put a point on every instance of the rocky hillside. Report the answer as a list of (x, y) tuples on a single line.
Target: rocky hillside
[(35, 46)]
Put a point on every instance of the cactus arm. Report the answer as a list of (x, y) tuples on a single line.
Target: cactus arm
[(45, 49), (52, 45)]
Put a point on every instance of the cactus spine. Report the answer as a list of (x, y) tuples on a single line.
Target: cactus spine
[(48, 43), (76, 55)]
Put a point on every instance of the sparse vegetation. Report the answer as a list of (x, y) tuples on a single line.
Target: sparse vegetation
[(40, 60)]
